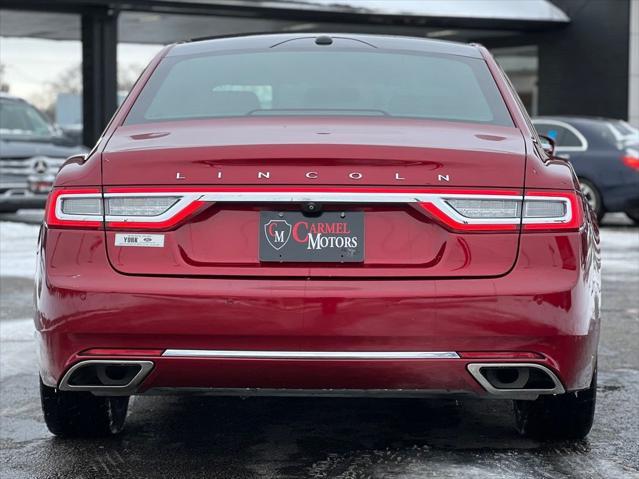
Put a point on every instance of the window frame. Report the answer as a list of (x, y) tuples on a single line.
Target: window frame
[(582, 139)]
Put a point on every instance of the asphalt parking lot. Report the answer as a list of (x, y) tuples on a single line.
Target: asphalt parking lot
[(202, 437)]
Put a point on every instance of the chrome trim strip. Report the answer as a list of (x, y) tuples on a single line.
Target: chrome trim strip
[(475, 370), (319, 196), (145, 369), (209, 353)]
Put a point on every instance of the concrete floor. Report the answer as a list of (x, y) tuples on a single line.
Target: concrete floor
[(202, 437)]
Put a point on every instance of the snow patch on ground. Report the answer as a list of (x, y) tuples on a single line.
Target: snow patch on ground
[(620, 251), (18, 244), (14, 356)]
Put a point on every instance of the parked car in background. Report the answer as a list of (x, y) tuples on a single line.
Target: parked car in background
[(605, 155), (32, 150)]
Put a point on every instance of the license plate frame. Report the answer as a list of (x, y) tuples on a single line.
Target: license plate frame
[(293, 237)]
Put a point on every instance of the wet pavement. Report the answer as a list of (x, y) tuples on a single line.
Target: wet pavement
[(204, 437)]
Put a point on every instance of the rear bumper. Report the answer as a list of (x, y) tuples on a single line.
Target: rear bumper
[(548, 305), (292, 377)]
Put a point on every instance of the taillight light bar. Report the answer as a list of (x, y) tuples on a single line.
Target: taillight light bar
[(90, 208), (458, 210), (630, 158), (59, 211), (572, 219)]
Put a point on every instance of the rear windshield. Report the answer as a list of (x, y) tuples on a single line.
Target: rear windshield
[(336, 82)]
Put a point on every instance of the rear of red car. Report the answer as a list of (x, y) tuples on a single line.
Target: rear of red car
[(345, 216)]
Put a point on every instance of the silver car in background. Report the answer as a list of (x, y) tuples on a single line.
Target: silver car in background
[(32, 150)]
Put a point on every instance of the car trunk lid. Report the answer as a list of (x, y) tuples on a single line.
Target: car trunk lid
[(243, 170)]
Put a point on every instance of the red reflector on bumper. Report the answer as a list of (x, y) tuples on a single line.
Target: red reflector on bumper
[(122, 352), (500, 355)]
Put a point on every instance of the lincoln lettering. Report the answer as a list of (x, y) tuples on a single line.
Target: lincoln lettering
[(314, 175)]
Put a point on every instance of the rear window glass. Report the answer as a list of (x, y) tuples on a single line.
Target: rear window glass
[(380, 83)]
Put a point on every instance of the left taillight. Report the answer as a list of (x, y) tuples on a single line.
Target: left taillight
[(76, 208), (130, 210)]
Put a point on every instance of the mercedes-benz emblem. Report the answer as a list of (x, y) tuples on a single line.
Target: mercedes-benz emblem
[(40, 166)]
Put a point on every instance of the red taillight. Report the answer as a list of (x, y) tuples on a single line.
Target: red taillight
[(459, 224), (545, 214), (500, 355), (121, 352), (459, 210), (496, 212), (74, 208), (89, 208), (631, 158), (166, 221)]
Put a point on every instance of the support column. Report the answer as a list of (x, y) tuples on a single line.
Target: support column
[(99, 71), (583, 69)]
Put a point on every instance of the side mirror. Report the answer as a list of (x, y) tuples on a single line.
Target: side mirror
[(548, 145)]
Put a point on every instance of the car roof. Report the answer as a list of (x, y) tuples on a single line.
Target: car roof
[(348, 40), (8, 96)]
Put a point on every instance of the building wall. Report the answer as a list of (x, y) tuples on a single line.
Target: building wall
[(584, 67), (633, 83)]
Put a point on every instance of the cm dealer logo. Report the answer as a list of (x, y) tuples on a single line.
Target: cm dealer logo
[(277, 233)]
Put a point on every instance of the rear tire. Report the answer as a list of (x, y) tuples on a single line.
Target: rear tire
[(593, 197), (81, 414), (566, 416), (633, 215)]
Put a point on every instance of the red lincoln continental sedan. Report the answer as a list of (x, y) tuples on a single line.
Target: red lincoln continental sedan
[(341, 215)]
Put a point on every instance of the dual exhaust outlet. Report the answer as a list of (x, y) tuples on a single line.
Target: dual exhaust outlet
[(506, 380), (516, 381), (106, 377)]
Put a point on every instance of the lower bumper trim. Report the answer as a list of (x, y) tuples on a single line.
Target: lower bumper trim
[(208, 353)]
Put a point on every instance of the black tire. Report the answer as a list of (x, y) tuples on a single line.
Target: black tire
[(81, 414), (565, 416), (593, 197), (633, 215)]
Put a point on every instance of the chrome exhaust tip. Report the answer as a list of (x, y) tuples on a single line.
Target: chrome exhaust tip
[(104, 376), (516, 380)]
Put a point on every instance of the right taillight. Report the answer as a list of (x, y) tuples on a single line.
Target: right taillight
[(505, 211), (631, 158), (544, 210)]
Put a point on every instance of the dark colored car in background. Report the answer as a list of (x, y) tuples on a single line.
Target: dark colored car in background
[(605, 155), (32, 150)]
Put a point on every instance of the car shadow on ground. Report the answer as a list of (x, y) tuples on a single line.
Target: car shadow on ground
[(312, 437)]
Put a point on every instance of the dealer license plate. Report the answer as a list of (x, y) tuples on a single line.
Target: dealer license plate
[(331, 237)]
